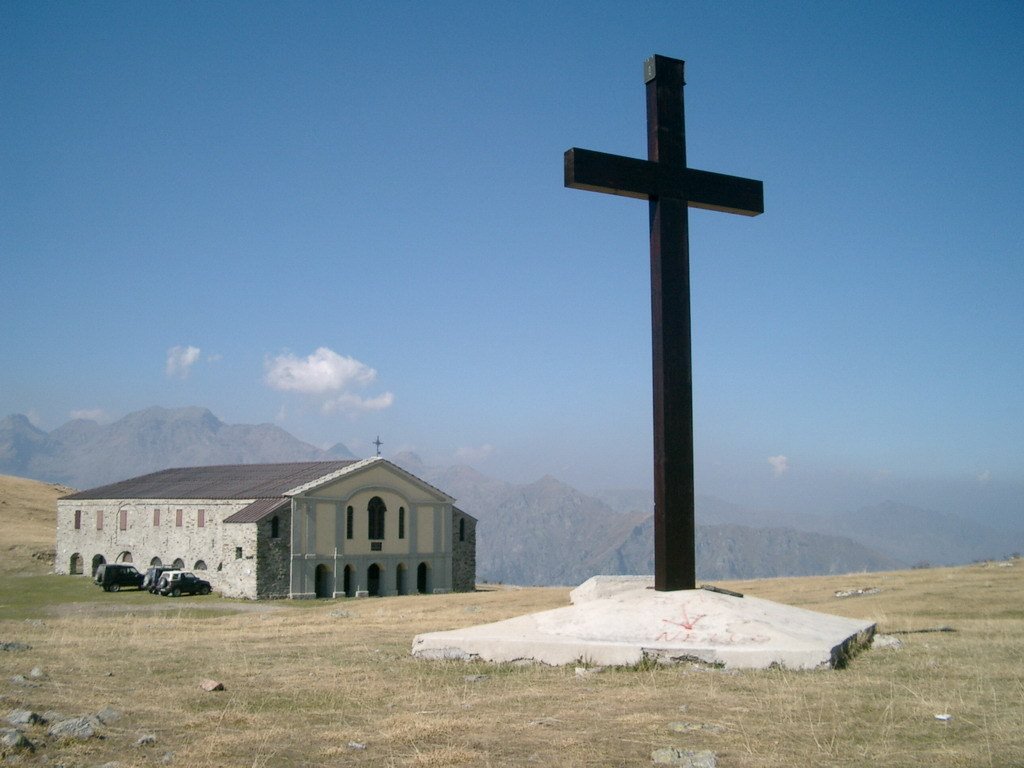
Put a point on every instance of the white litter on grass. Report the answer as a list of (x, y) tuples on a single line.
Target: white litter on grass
[(944, 717)]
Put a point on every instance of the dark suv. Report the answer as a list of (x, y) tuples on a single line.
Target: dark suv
[(113, 576), (153, 574), (175, 583)]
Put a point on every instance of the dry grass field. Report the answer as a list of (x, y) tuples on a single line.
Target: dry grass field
[(324, 683)]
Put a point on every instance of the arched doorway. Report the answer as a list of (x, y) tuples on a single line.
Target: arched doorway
[(155, 562), (199, 566), (76, 564), (400, 579), (373, 580), (97, 561), (178, 564), (423, 579), (324, 580), (347, 579), (124, 557)]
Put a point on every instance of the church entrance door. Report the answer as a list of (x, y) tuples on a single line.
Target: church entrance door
[(373, 580), (400, 579), (347, 580), (324, 581), (423, 579)]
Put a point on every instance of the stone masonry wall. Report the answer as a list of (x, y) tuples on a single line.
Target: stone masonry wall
[(463, 553), (143, 532), (273, 556)]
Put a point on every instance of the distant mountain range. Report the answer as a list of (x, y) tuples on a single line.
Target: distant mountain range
[(85, 454), (544, 532)]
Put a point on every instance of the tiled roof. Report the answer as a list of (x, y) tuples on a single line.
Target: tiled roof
[(258, 510), (231, 481)]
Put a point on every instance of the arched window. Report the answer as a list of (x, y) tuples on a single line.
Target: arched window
[(155, 561), (178, 564), (275, 527), (375, 510), (199, 566), (124, 557)]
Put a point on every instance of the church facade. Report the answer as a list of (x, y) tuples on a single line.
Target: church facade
[(299, 530)]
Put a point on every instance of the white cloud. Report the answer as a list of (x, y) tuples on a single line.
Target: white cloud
[(351, 403), (780, 465), (180, 360), (984, 477), (90, 414), (325, 372)]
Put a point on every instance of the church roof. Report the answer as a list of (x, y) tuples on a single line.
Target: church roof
[(258, 510), (229, 481)]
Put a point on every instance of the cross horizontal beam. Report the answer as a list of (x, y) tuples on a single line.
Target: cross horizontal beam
[(644, 179)]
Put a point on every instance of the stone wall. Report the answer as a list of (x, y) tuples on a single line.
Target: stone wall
[(160, 531), (463, 552), (273, 555)]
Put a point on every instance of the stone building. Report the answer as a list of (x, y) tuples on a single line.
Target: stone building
[(307, 529)]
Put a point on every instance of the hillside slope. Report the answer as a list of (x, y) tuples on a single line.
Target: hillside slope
[(28, 517)]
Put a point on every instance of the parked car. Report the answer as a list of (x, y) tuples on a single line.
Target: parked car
[(113, 576), (176, 583), (153, 574)]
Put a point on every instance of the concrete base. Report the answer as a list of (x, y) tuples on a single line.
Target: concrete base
[(620, 621)]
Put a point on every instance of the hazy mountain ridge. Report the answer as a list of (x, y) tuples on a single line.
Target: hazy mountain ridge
[(85, 454), (545, 532), (533, 534)]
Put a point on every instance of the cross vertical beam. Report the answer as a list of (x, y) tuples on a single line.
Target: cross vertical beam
[(671, 188), (675, 564)]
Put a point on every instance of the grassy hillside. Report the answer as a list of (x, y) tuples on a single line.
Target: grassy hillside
[(28, 515), (331, 682)]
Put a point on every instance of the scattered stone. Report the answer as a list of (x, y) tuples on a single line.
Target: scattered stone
[(944, 717), (684, 757), (37, 673), (80, 728), (858, 592), (13, 646), (22, 680), (167, 758), (684, 727), (109, 715), (341, 614), (472, 609), (588, 671), (51, 716), (356, 745), (11, 738), (886, 642), (146, 740), (474, 678), (211, 685), (24, 717), (111, 764)]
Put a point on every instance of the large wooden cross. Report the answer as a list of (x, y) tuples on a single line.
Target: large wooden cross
[(671, 187)]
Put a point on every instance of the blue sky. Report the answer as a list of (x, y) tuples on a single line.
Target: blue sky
[(349, 219)]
